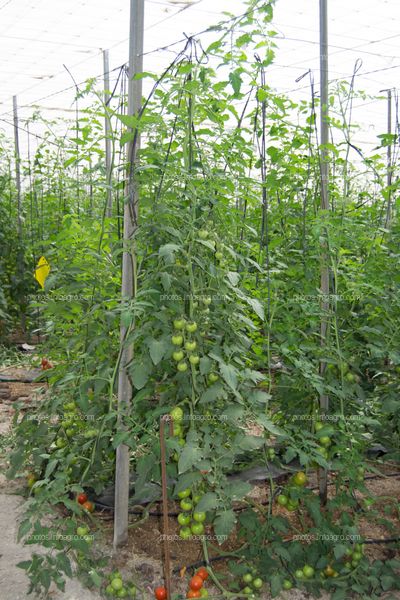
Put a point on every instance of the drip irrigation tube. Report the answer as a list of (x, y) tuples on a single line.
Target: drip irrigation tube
[(158, 513)]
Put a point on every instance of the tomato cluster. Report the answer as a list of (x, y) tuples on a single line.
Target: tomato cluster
[(191, 520), (118, 588), (324, 441), (196, 584), (252, 583), (183, 340), (289, 499)]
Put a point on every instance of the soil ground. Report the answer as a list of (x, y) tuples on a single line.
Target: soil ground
[(141, 559)]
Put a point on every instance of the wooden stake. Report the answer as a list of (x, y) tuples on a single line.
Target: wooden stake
[(325, 286), (128, 270)]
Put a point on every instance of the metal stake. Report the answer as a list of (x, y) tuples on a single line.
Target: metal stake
[(107, 130)]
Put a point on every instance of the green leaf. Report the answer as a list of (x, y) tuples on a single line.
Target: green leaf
[(223, 524), (256, 306), (23, 529), (208, 501), (168, 251), (140, 373), (236, 81), (95, 577), (229, 373), (158, 349), (188, 457), (205, 365), (276, 585), (269, 426), (340, 550), (186, 481), (251, 442)]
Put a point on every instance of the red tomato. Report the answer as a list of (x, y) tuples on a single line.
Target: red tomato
[(193, 594), (89, 506), (196, 583), (160, 593), (203, 573), (82, 498)]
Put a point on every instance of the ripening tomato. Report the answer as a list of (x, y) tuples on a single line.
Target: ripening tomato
[(89, 506), (160, 593), (203, 573), (193, 594), (196, 583)]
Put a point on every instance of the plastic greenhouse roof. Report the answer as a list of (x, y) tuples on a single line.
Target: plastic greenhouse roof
[(39, 37)]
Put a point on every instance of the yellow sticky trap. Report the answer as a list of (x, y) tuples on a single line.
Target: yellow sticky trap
[(42, 271)]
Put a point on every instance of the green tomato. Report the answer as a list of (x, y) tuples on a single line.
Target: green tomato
[(325, 441), (247, 590), (82, 531), (196, 498), (200, 517), (179, 324), (247, 578), (282, 500), (190, 346), (300, 479), (61, 443), (132, 591), (69, 432), (186, 505), (357, 555), (207, 300), (177, 430), (181, 442), (194, 359), (219, 255), (117, 584), (122, 593), (323, 451), (184, 493), (185, 533), (191, 327), (213, 377), (287, 585), (197, 528), (182, 367), (308, 571), (177, 340), (183, 519), (177, 414), (109, 590), (354, 563), (318, 426), (203, 234), (178, 355), (350, 377), (204, 593), (257, 583), (299, 574)]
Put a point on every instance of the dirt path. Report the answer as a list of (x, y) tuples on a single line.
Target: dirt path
[(13, 581)]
